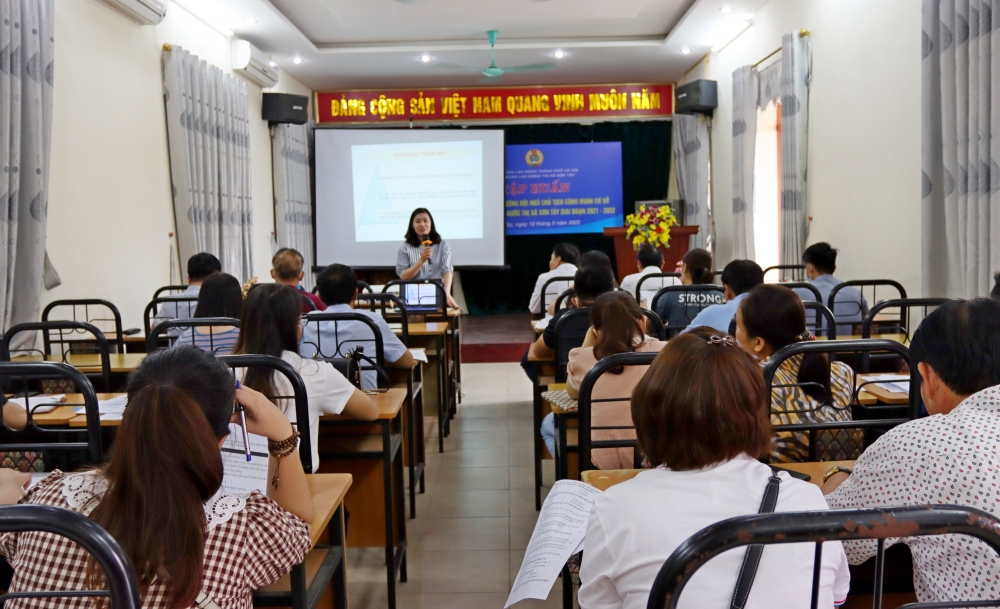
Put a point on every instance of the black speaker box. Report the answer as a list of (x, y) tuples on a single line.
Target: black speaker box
[(698, 97), (285, 108)]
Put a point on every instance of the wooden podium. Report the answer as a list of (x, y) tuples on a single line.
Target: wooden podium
[(680, 238)]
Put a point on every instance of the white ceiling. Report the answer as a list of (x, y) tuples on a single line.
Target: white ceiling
[(379, 43)]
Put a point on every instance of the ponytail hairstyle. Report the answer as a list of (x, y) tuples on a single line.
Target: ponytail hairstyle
[(699, 266), (620, 321), (269, 326), (164, 466), (775, 314)]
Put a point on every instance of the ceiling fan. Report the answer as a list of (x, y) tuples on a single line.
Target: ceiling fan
[(493, 71)]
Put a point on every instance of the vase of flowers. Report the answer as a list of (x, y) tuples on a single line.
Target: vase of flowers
[(651, 224)]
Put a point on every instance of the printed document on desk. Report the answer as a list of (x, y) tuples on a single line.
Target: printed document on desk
[(241, 476), (558, 534)]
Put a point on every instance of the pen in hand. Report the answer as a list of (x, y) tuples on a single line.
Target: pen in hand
[(243, 424)]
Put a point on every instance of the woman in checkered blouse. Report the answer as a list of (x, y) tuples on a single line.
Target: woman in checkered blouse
[(160, 496)]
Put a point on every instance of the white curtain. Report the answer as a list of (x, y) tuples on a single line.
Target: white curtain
[(209, 143), (292, 201), (745, 92), (960, 243), (26, 65), (796, 74), (691, 138)]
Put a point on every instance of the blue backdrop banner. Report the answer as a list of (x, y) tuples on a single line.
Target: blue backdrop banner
[(563, 188)]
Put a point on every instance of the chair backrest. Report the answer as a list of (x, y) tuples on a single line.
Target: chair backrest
[(307, 304), (364, 287), (383, 302), (654, 325), (16, 377), (843, 308), (817, 527), (345, 335), (185, 307), (793, 272), (805, 285), (691, 299), (441, 304), (299, 396), (570, 330), (563, 279), (81, 308), (198, 322), (832, 348), (586, 402), (820, 319), (49, 326), (645, 278), (119, 573), (904, 305), (563, 298), (169, 289)]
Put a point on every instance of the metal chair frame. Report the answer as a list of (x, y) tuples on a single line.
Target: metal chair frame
[(363, 286), (443, 296), (798, 271), (821, 311), (86, 303), (818, 527), (153, 304), (561, 352), (804, 285), (655, 327), (45, 327), (704, 287), (340, 353), (378, 302), (197, 322), (169, 288), (561, 300), (299, 396), (119, 573), (642, 280), (568, 279), (861, 284), (904, 304)]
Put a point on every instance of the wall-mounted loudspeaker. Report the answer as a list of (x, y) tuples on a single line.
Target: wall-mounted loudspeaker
[(285, 108), (698, 97)]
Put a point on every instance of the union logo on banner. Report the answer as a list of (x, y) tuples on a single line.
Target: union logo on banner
[(534, 157)]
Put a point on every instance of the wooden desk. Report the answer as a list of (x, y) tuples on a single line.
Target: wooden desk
[(328, 492), (414, 449), (899, 338), (437, 333), (89, 362), (388, 405), (897, 398), (603, 479), (65, 414)]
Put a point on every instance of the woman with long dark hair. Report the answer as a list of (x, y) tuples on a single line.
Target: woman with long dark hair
[(807, 388), (424, 254), (677, 309), (221, 295), (160, 496), (271, 325)]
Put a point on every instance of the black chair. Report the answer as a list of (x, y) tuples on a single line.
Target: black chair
[(185, 306), (804, 285), (441, 299), (385, 303), (17, 377), (119, 573), (339, 352), (46, 352), (821, 318), (363, 287), (298, 396), (654, 325), (824, 431), (307, 304), (644, 278), (566, 279), (170, 290), (850, 309), (904, 305), (199, 322), (794, 272), (565, 296), (86, 304), (570, 330), (818, 527), (676, 318)]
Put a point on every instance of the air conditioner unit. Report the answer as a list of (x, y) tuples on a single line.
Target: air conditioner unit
[(144, 12), (253, 64)]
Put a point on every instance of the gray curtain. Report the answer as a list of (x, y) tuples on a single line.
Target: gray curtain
[(26, 71), (960, 244), (796, 74), (745, 93), (292, 201), (209, 144), (770, 85), (692, 137)]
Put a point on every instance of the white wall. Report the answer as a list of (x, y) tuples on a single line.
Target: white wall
[(110, 209), (864, 129)]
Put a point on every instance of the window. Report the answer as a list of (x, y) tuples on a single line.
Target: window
[(767, 187)]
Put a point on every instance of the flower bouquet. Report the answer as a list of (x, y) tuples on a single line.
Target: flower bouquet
[(650, 225)]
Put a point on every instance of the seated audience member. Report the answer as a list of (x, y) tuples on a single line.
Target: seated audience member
[(995, 292), (286, 269), (649, 259), (738, 278), (15, 418), (591, 258), (821, 262), (617, 326), (807, 388), (200, 267), (948, 458), (589, 283), (561, 264), (677, 309), (701, 420), (165, 474), (221, 296), (338, 287), (271, 325)]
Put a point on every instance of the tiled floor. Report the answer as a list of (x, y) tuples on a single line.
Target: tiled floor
[(476, 518)]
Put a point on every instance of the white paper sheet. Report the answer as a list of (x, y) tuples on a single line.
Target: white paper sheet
[(543, 323), (240, 476), (113, 407), (558, 534), (50, 401), (896, 383), (419, 354)]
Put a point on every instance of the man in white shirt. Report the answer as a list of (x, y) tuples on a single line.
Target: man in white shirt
[(561, 264), (948, 458), (649, 259)]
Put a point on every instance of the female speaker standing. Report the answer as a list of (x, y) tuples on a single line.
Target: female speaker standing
[(424, 254)]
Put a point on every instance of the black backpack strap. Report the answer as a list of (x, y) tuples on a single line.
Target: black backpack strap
[(751, 560)]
